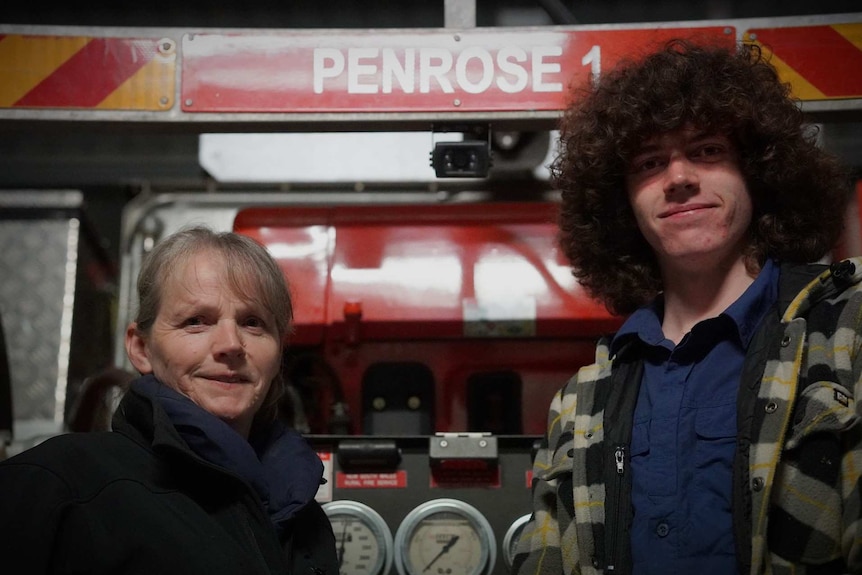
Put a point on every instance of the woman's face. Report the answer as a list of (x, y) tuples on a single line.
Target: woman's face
[(209, 343)]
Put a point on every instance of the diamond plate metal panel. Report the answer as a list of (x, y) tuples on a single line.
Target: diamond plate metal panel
[(34, 267)]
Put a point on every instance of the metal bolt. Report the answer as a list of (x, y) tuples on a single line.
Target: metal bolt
[(457, 37), (166, 46), (163, 100), (457, 102), (378, 403), (444, 443), (483, 443), (189, 102)]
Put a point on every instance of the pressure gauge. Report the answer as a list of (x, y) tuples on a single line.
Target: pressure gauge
[(510, 540), (362, 538), (445, 537)]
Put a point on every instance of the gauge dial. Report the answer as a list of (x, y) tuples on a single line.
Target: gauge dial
[(445, 537), (510, 540), (362, 538)]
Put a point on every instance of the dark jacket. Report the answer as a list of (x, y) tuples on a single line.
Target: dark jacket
[(138, 500), (796, 491)]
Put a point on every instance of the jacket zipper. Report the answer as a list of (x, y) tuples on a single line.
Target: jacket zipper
[(620, 463)]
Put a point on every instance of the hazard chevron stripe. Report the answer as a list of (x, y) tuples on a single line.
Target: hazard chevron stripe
[(86, 73), (820, 62)]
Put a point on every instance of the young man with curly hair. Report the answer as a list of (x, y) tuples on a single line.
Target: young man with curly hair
[(718, 430)]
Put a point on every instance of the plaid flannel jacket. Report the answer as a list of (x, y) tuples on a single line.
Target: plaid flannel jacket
[(797, 501)]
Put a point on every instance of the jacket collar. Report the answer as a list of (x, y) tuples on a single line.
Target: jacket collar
[(804, 285), (280, 466)]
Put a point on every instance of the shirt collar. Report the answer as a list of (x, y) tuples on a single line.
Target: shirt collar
[(752, 305), (745, 313)]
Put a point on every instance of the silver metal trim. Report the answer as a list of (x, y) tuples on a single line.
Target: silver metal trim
[(424, 510), (512, 535), (70, 274), (375, 523)]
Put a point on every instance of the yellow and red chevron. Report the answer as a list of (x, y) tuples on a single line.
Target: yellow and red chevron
[(822, 62), (86, 73)]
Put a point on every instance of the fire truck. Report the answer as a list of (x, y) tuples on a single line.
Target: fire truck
[(400, 179)]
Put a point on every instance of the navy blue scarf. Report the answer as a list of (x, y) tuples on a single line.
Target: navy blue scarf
[(279, 464)]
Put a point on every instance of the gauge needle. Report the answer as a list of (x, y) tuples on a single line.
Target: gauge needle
[(341, 547), (443, 551)]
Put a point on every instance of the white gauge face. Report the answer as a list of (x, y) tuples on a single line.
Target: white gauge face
[(362, 539), (513, 534), (451, 539), (445, 544)]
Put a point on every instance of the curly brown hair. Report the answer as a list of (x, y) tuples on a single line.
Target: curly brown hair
[(798, 190)]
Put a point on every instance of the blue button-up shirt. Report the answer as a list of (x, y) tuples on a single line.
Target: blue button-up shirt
[(684, 434)]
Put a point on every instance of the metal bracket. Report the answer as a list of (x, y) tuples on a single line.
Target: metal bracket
[(459, 13), (477, 446)]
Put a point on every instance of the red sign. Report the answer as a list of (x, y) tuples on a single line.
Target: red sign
[(430, 71), (397, 480)]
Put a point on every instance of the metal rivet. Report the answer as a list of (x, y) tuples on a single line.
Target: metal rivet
[(457, 102), (570, 453), (771, 407), (785, 341), (757, 483), (457, 38), (188, 102), (483, 443), (166, 46), (588, 434), (378, 403), (444, 443)]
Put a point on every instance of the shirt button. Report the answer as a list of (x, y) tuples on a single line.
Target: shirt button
[(662, 529)]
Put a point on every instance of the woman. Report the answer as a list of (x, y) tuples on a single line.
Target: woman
[(198, 475)]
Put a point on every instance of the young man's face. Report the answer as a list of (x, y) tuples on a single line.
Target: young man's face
[(690, 198)]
